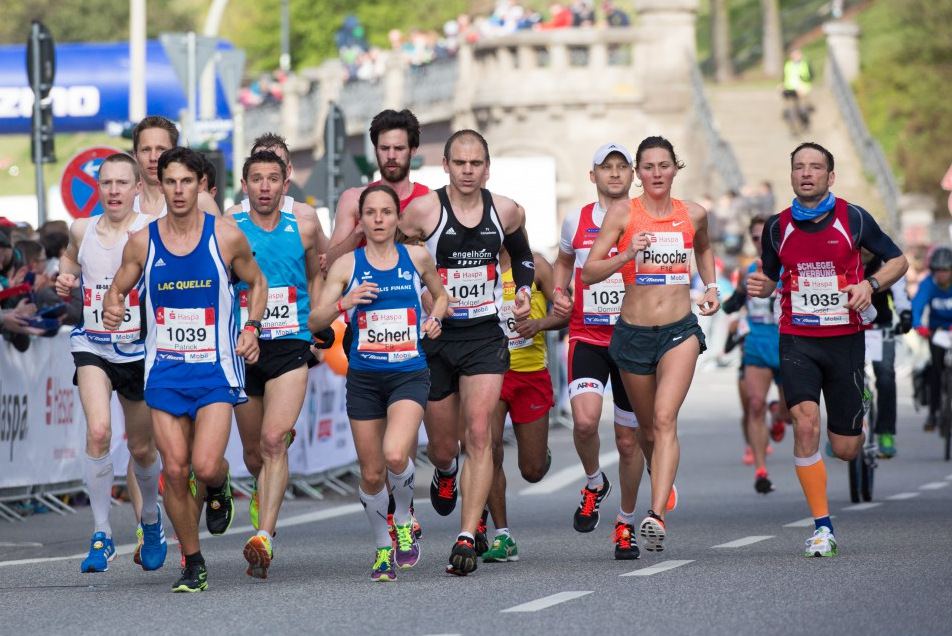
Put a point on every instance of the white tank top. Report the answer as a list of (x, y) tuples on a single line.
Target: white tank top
[(287, 204), (99, 265), (137, 208)]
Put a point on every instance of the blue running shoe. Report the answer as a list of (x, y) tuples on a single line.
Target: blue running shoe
[(154, 546), (101, 552)]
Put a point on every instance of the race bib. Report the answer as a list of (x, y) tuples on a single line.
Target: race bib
[(666, 261), (507, 318), (816, 301), (280, 314), (388, 335), (129, 330), (601, 302), (186, 335), (474, 287), (760, 311)]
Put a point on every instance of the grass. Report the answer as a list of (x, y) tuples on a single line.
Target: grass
[(17, 170)]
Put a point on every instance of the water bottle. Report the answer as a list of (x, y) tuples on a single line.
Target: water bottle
[(868, 315)]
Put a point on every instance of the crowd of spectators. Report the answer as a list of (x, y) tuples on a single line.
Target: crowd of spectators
[(29, 263), (419, 47)]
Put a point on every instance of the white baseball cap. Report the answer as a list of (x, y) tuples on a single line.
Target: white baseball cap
[(602, 153)]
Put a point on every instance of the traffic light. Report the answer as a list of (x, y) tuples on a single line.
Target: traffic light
[(44, 134), (41, 70)]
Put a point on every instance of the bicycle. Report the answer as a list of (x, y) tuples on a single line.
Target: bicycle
[(862, 468), (943, 338)]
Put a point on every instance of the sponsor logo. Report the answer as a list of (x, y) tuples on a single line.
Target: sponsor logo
[(583, 384), (59, 403), (648, 279), (68, 101), (159, 263), (404, 274), (528, 264), (324, 429), (676, 223), (451, 232), (289, 229), (14, 424)]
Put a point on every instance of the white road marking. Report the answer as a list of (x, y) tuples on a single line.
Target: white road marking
[(129, 548), (803, 523), (740, 543), (948, 477), (903, 495), (20, 544), (934, 485), (862, 506), (546, 601), (567, 476), (664, 566)]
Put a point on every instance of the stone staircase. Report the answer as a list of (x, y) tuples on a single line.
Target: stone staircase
[(749, 118)]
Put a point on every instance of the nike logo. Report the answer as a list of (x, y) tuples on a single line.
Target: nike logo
[(676, 223), (676, 338)]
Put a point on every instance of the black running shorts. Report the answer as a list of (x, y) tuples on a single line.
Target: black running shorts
[(127, 378), (449, 359), (370, 393), (275, 358), (638, 349)]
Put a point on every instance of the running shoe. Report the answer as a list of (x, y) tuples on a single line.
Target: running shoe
[(408, 548), (930, 424), (652, 532), (383, 569), (194, 579), (258, 554), (463, 557), (443, 491), (417, 528), (748, 458), (136, 556), (253, 505), (192, 483), (626, 548), (821, 544), (481, 540), (220, 509), (672, 502), (101, 552), (503, 549), (887, 446), (154, 546), (289, 438), (391, 529), (586, 515), (778, 428), (763, 485)]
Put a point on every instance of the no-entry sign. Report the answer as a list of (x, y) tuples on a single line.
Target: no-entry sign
[(79, 186)]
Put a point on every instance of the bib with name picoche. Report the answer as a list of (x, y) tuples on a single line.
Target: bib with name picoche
[(667, 259)]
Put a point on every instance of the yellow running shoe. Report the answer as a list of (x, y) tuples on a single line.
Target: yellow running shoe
[(258, 554), (139, 540)]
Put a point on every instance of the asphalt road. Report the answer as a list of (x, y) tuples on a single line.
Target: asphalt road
[(732, 563)]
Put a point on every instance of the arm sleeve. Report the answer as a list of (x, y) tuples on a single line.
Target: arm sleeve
[(736, 301), (900, 297), (872, 237), (768, 242), (523, 263), (920, 300)]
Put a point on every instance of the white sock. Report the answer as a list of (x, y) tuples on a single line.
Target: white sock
[(148, 478), (99, 477), (595, 481), (376, 508), (451, 470), (401, 487), (504, 531), (468, 535), (626, 517)]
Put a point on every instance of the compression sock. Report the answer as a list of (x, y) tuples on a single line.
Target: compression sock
[(376, 508), (148, 479), (402, 488), (811, 471), (98, 475)]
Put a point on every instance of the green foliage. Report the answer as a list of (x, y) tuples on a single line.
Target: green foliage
[(906, 55)]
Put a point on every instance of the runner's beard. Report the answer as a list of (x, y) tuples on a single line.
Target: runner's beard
[(388, 174)]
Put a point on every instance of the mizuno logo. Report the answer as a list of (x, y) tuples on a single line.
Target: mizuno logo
[(451, 232), (159, 263)]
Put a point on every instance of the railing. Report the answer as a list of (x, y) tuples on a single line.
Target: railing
[(722, 157), (262, 119), (869, 150), (431, 84), (360, 101)]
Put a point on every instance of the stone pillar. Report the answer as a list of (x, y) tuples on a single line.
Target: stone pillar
[(666, 51), (842, 42), (291, 109), (463, 116), (394, 81), (330, 76), (917, 220)]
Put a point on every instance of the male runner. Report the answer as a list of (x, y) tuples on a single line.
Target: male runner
[(395, 137), (595, 311), (193, 371), (464, 227), (285, 246), (150, 138), (108, 361), (817, 244)]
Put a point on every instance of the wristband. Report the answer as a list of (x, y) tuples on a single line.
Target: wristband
[(526, 289), (340, 307), (557, 290), (253, 325), (438, 321), (711, 286)]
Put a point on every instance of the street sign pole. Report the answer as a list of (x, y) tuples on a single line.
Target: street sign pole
[(335, 133), (35, 81), (192, 93)]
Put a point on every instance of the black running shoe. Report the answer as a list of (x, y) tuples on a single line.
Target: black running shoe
[(482, 541), (219, 509), (443, 491), (463, 557), (194, 579), (763, 485), (626, 548), (586, 515)]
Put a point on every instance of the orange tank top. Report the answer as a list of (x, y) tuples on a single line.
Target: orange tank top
[(667, 261)]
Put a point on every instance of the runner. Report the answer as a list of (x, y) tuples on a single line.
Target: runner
[(395, 137), (657, 338), (193, 371), (276, 144), (150, 138), (594, 314), (378, 287), (813, 248), (108, 361), (464, 227), (761, 367), (285, 246), (526, 397)]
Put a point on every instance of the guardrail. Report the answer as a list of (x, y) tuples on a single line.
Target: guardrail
[(869, 150), (722, 157)]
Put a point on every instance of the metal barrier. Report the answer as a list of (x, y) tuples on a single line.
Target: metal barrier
[(721, 155), (869, 150)]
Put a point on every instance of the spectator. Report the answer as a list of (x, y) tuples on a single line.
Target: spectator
[(583, 14), (615, 17), (560, 17), (54, 243)]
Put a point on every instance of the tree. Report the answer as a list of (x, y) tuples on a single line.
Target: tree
[(773, 38), (721, 40)]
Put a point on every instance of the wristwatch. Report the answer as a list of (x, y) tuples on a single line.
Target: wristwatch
[(873, 283), (254, 324)]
